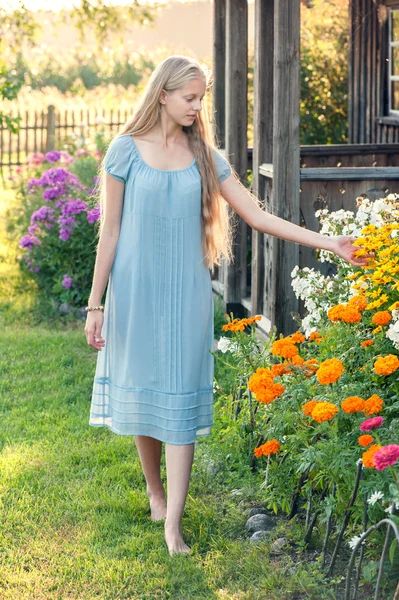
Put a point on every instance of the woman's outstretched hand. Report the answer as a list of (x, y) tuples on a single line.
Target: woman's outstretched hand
[(343, 247)]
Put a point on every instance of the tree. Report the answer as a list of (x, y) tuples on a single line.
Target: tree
[(19, 26)]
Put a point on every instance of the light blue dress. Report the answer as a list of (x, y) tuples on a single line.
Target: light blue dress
[(154, 376)]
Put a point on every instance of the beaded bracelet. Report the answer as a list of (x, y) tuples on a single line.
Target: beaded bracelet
[(88, 308)]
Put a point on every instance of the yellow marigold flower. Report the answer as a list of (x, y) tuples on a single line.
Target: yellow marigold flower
[(377, 329), (385, 365), (394, 306), (324, 411), (368, 456), (308, 407), (297, 337), (373, 405), (284, 348), (365, 440), (353, 404), (329, 371), (270, 447), (358, 302), (367, 343), (382, 317)]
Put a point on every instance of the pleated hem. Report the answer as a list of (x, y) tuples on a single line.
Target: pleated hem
[(175, 418), (162, 437)]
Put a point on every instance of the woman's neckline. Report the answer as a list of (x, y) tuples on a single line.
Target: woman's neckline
[(154, 168)]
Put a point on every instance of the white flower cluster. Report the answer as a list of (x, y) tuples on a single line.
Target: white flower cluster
[(316, 290), (227, 345), (393, 330)]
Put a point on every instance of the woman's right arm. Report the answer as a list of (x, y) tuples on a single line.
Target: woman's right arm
[(114, 193)]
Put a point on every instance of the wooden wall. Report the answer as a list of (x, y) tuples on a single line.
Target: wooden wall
[(369, 121)]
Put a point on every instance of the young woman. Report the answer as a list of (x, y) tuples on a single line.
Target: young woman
[(164, 225)]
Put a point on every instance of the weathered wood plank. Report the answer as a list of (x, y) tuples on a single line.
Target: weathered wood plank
[(349, 173), (284, 255), (263, 132), (235, 275), (219, 69)]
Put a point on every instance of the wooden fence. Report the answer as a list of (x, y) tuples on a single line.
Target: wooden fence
[(41, 131)]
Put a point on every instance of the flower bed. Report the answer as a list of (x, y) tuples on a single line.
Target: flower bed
[(322, 403)]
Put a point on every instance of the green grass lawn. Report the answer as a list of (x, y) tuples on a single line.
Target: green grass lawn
[(75, 519)]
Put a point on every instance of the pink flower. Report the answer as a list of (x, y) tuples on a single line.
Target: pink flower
[(386, 456), (371, 424)]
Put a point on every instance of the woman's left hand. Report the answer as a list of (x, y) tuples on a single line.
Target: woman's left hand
[(343, 247)]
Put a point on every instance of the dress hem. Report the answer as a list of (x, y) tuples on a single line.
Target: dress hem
[(153, 436)]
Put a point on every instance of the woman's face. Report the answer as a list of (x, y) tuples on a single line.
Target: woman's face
[(184, 104)]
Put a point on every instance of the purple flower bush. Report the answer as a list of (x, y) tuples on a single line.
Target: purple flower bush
[(58, 219)]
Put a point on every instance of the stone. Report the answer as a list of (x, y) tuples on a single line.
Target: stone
[(260, 522), (278, 545), (65, 308), (258, 536), (257, 510)]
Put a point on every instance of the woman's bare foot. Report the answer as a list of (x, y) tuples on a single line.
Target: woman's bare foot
[(174, 540), (157, 505)]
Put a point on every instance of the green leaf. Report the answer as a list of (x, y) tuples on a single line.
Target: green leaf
[(392, 550)]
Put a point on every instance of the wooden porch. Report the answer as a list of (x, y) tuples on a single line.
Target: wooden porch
[(292, 181)]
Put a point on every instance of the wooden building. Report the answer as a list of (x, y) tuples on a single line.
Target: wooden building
[(293, 180)]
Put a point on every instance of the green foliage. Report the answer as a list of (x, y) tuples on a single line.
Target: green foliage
[(324, 73), (81, 71)]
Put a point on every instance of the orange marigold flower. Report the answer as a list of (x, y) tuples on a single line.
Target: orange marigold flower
[(297, 360), (308, 407), (365, 440), (270, 447), (359, 302), (329, 371), (284, 348), (324, 411), (314, 336), (280, 369), (335, 312), (367, 343), (351, 315), (368, 456), (353, 404), (382, 317), (373, 405), (261, 383), (385, 365), (297, 337)]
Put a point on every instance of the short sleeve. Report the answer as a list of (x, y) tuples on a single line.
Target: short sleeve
[(223, 168), (118, 157)]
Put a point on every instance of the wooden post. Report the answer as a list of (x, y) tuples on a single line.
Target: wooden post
[(286, 174), (263, 133), (219, 69), (236, 138), (50, 128)]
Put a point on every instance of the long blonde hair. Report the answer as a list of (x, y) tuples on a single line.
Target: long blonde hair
[(171, 74)]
